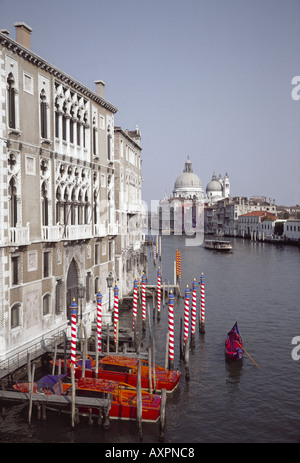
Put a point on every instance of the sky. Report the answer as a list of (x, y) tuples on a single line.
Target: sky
[(206, 79)]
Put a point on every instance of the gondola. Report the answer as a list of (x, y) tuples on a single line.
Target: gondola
[(234, 344)]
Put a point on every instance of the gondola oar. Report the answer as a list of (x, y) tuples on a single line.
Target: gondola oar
[(248, 354)]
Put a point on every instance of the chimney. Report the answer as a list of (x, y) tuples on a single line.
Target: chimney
[(23, 34), (100, 85)]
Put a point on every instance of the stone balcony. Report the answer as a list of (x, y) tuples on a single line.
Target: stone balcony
[(19, 236)]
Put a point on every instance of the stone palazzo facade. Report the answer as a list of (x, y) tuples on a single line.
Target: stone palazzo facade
[(59, 223)]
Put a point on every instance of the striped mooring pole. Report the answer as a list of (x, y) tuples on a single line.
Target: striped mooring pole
[(144, 300), (73, 308), (158, 291), (186, 314), (202, 294), (116, 315), (194, 310), (171, 330), (135, 298), (99, 320)]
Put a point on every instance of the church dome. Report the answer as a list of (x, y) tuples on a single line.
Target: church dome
[(188, 184), (213, 185)]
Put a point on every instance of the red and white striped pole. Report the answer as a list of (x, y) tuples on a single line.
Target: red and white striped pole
[(194, 310), (186, 314), (144, 301), (116, 316), (99, 320), (158, 291), (73, 308), (171, 331), (202, 294), (135, 298)]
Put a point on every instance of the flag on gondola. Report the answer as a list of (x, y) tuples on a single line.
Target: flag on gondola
[(234, 344)]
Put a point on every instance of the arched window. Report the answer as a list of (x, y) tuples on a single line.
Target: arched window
[(56, 118), (13, 212), (58, 203), (45, 205), (94, 137), (72, 126), (11, 101), (46, 304), (78, 129), (15, 315), (43, 109), (64, 123)]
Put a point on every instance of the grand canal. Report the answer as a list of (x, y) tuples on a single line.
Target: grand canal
[(256, 285)]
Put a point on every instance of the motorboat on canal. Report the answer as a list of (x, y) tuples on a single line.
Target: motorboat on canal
[(123, 403), (218, 245), (48, 385), (123, 399), (125, 369), (234, 344)]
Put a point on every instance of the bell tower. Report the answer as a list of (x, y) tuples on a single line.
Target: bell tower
[(226, 186)]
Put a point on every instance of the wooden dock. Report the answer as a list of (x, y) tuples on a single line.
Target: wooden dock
[(55, 400)]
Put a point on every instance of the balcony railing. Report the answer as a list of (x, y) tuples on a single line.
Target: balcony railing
[(113, 228), (100, 229), (52, 233), (19, 236)]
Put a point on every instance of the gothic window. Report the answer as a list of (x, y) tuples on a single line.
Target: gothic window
[(64, 123), (58, 297), (85, 120), (66, 208), (11, 101), (86, 209), (58, 199), (56, 118), (73, 208), (46, 264), (78, 129), (15, 270), (108, 144), (43, 115), (94, 137), (80, 206), (45, 205), (95, 206), (12, 192), (72, 126)]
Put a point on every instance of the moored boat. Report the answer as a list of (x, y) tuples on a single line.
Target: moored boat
[(49, 385), (124, 369), (218, 245), (234, 344), (123, 399)]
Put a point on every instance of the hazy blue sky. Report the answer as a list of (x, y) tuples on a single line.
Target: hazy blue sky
[(208, 79)]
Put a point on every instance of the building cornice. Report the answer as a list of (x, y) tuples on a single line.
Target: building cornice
[(125, 134), (36, 60)]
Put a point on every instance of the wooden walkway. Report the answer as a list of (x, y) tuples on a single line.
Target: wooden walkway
[(55, 400)]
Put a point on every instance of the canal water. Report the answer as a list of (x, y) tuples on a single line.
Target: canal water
[(256, 285)]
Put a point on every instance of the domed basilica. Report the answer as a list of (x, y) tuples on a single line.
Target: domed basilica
[(188, 186)]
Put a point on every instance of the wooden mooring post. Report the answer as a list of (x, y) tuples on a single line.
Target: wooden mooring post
[(163, 413), (31, 393), (139, 400)]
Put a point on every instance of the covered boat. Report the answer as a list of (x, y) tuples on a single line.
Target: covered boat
[(124, 399), (234, 344), (49, 384), (124, 369)]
